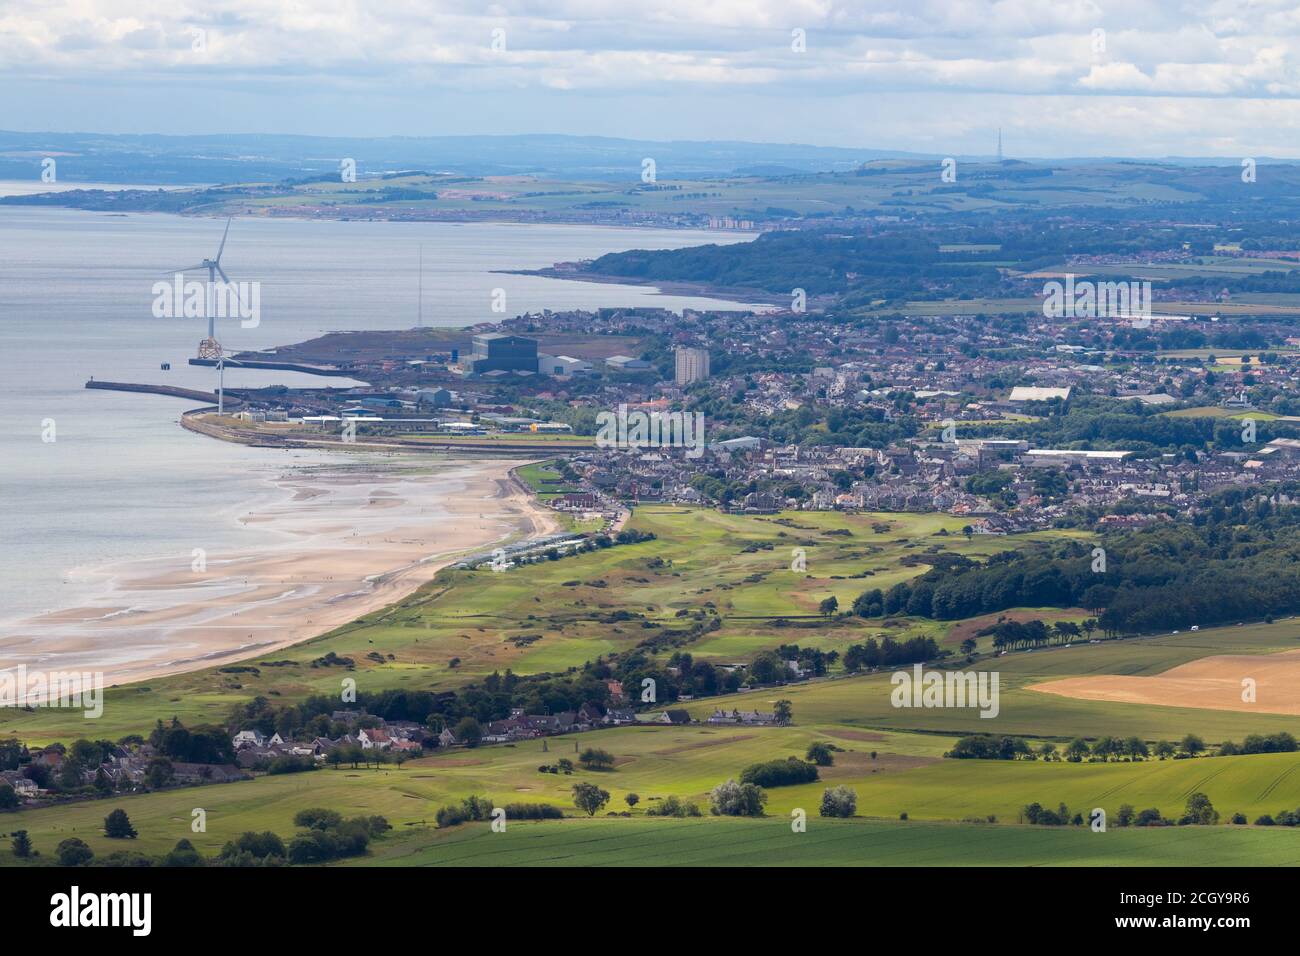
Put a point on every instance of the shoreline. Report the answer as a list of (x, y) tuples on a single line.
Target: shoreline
[(344, 540)]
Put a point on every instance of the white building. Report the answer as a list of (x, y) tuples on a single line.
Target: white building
[(692, 366)]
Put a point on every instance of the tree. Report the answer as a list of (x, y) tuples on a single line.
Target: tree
[(334, 757), (784, 712), (22, 844), (8, 797), (102, 782), (74, 852), (733, 799), (820, 754), (968, 646), (469, 732), (1126, 815), (183, 854), (1165, 749), (767, 668), (117, 825), (159, 773), (829, 606), (593, 758), (1192, 745), (589, 798), (839, 802), (317, 818), (1200, 810)]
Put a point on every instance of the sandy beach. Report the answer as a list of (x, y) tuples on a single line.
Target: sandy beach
[(334, 544)]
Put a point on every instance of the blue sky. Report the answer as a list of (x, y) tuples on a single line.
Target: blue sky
[(1062, 78)]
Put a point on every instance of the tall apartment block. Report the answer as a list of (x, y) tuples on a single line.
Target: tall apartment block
[(692, 366)]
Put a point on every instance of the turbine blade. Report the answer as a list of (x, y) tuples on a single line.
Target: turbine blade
[(223, 239), (186, 269), (233, 288)]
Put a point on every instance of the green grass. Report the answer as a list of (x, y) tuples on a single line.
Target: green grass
[(701, 563), (906, 775), (771, 842)]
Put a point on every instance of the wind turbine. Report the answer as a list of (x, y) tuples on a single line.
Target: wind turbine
[(210, 348)]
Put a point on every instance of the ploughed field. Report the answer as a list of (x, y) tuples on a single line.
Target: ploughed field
[(1221, 682)]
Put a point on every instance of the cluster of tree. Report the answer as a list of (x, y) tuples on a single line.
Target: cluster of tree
[(1104, 749), (673, 806), (732, 799), (1239, 558), (327, 836), (471, 809), (839, 802), (204, 744), (594, 758), (1198, 811), (1284, 818), (533, 811), (988, 747), (1278, 743), (780, 773), (890, 653), (811, 660), (821, 753)]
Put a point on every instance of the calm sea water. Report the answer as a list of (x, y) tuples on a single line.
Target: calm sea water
[(122, 479)]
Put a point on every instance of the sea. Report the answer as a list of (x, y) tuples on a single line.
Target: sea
[(89, 478)]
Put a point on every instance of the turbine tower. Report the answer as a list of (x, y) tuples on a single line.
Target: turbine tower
[(210, 348)]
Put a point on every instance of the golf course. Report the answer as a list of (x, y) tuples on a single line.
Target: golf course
[(753, 584)]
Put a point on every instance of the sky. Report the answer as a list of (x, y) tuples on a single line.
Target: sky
[(1059, 77)]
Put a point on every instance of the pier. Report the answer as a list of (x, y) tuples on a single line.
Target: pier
[(192, 394)]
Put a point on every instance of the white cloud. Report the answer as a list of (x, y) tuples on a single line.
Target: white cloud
[(1040, 51)]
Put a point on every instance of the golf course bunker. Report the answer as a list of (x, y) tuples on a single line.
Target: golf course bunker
[(1211, 683)]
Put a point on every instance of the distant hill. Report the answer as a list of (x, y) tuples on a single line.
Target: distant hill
[(176, 160)]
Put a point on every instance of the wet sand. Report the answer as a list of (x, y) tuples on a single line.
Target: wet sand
[(339, 543)]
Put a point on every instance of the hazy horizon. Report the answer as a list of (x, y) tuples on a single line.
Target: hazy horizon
[(1074, 80)]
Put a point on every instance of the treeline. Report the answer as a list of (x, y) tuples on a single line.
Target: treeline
[(324, 836), (1238, 559), (1103, 750), (1199, 811), (889, 653), (496, 695)]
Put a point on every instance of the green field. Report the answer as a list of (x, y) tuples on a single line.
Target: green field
[(704, 564), (907, 775), (834, 843)]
